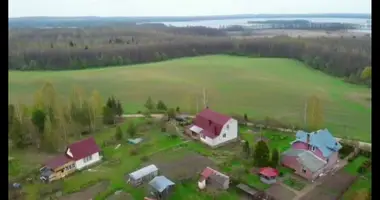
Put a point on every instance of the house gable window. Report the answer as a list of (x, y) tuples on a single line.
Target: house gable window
[(227, 127), (224, 135), (303, 170)]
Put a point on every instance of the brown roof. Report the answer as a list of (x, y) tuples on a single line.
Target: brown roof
[(84, 148), (57, 162), (211, 122)]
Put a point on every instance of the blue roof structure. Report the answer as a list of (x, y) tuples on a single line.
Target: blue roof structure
[(322, 139), (160, 183)]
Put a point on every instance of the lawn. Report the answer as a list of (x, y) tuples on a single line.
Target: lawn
[(260, 87), (362, 183), (352, 167)]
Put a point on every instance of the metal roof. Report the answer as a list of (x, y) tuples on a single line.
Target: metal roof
[(196, 129), (143, 172), (160, 183), (311, 161)]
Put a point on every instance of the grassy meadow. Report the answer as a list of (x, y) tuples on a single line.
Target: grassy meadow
[(260, 87)]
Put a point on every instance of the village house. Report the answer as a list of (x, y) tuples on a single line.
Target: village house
[(161, 187), (312, 154), (213, 129), (268, 175), (213, 178), (77, 156), (142, 175)]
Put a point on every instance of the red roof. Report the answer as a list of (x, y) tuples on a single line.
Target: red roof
[(211, 122), (57, 161), (268, 171), (84, 148), (207, 172)]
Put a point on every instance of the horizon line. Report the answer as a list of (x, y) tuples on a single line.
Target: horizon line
[(191, 15)]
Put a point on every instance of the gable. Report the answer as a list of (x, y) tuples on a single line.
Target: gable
[(322, 139), (83, 148), (211, 122)]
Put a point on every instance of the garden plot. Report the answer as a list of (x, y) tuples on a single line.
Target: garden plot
[(182, 164), (87, 193)]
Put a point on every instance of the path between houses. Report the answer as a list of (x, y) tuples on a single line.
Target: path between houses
[(361, 144)]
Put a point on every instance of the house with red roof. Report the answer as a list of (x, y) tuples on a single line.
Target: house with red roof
[(77, 156), (214, 129), (213, 178)]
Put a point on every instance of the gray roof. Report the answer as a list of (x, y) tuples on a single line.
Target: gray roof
[(311, 161), (143, 172), (160, 183), (293, 152)]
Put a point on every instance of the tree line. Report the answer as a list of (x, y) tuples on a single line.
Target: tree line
[(50, 122), (61, 49)]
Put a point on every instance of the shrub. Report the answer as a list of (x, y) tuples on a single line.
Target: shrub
[(351, 159), (144, 158), (133, 152)]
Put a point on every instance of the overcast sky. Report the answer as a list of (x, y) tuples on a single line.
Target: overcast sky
[(21, 8)]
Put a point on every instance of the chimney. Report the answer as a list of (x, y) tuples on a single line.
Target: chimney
[(308, 138)]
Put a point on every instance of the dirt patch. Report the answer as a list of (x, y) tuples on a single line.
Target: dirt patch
[(332, 187), (120, 195), (87, 193), (186, 166), (279, 192)]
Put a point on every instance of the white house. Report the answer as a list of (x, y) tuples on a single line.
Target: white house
[(84, 153), (214, 128)]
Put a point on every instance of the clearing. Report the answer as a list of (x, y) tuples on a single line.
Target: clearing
[(260, 87)]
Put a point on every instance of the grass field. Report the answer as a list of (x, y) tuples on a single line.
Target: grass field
[(259, 87)]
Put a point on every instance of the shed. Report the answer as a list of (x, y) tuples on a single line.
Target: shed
[(144, 174), (214, 178), (161, 187), (268, 175)]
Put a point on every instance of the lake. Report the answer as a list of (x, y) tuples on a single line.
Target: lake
[(229, 22)]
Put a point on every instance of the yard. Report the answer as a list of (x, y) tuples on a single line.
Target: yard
[(175, 157)]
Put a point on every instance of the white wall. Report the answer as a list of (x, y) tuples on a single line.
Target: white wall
[(80, 164), (230, 133)]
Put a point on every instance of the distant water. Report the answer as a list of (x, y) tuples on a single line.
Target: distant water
[(242, 22)]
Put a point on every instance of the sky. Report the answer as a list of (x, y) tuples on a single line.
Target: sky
[(113, 8)]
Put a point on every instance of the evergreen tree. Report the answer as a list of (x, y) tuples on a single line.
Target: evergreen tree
[(108, 115), (161, 106), (171, 113), (38, 119), (131, 130), (246, 149), (149, 105), (119, 109), (261, 154), (275, 158)]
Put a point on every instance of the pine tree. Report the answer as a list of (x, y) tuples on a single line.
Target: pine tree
[(275, 158), (161, 106), (246, 149), (149, 105), (261, 154), (131, 130)]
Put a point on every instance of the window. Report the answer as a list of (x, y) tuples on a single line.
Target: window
[(224, 135), (228, 126), (304, 170), (86, 159), (313, 148)]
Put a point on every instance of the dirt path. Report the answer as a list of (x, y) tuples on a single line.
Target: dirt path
[(88, 193)]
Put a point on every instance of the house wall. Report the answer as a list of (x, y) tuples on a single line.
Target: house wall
[(292, 162), (230, 133), (304, 146), (332, 160), (80, 164)]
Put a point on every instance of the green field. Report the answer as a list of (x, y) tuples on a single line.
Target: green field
[(260, 87)]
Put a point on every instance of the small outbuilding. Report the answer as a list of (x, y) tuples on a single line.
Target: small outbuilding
[(213, 178), (143, 175), (268, 175), (161, 187)]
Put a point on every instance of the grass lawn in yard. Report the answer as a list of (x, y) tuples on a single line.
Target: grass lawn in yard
[(294, 183), (362, 183), (260, 87), (352, 167)]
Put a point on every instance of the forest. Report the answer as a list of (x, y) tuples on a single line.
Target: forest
[(111, 45)]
